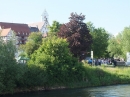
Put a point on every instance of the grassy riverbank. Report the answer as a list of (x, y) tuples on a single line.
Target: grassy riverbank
[(104, 75), (93, 76)]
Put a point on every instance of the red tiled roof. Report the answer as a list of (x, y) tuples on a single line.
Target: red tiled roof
[(4, 32), (16, 27), (39, 25)]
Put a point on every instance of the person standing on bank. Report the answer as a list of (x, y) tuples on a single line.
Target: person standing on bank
[(114, 62)]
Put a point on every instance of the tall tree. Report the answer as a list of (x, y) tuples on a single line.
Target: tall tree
[(120, 45), (90, 26), (100, 39), (54, 28), (8, 66), (77, 34), (33, 43), (57, 62), (126, 40), (115, 46)]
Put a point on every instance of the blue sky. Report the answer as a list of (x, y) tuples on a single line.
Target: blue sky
[(113, 15)]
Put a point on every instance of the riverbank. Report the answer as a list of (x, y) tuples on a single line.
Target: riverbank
[(34, 89), (107, 75), (104, 75), (93, 76), (103, 91)]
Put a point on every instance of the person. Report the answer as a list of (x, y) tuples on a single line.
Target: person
[(99, 62), (114, 62), (96, 62), (90, 61), (109, 62)]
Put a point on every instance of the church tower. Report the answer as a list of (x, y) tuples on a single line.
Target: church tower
[(41, 26), (44, 16)]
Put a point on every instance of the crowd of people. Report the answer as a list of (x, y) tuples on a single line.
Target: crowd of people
[(100, 61)]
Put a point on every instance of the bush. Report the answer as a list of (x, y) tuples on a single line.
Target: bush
[(8, 67), (59, 66)]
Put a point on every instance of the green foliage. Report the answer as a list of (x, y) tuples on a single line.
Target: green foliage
[(125, 40), (33, 43), (120, 44), (52, 65), (115, 46), (100, 76), (8, 67), (31, 77), (54, 28), (90, 26), (14, 75), (100, 39), (57, 62)]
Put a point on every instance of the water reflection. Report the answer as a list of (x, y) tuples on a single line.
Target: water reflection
[(107, 91), (111, 91)]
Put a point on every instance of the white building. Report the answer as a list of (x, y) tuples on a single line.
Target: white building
[(7, 34), (21, 31), (41, 26)]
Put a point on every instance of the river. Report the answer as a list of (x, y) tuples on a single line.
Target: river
[(104, 91)]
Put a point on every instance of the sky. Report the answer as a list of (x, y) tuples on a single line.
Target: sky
[(112, 15)]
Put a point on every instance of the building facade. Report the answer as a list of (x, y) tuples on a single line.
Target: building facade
[(7, 34), (41, 26), (21, 31)]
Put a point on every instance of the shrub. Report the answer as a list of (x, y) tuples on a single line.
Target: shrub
[(8, 67), (59, 66)]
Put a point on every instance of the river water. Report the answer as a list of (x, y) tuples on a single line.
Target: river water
[(104, 91)]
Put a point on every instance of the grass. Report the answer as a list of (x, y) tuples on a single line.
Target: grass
[(106, 75), (99, 76)]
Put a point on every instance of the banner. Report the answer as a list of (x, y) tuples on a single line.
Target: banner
[(128, 56), (92, 54)]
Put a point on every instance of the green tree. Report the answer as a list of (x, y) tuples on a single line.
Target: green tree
[(119, 45), (57, 62), (32, 44), (54, 28), (113, 48), (125, 40), (9, 72), (77, 34), (90, 26), (100, 39)]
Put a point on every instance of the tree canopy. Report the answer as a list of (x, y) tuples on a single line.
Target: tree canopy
[(8, 66), (115, 45), (100, 39), (55, 26), (77, 34), (58, 64), (119, 45), (125, 40), (32, 44)]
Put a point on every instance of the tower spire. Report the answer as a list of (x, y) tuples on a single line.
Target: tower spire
[(44, 16)]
